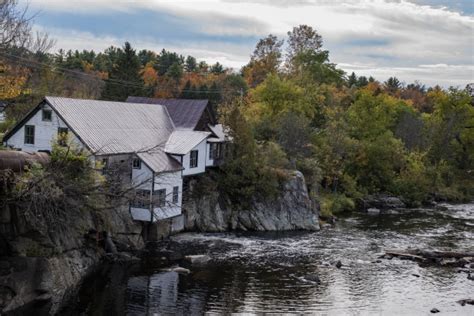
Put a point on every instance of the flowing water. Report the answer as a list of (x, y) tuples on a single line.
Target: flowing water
[(274, 273)]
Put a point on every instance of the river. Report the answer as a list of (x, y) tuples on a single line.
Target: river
[(269, 272)]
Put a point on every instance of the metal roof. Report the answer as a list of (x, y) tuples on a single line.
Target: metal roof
[(108, 127), (181, 142), (159, 161), (218, 131), (185, 113)]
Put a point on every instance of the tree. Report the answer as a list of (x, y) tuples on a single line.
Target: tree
[(149, 75), (124, 79), (233, 86), (166, 59), (294, 135), (266, 59), (392, 85), (12, 80), (217, 68), (175, 72), (191, 64), (203, 67), (303, 38), (15, 25), (146, 57), (352, 80), (362, 81)]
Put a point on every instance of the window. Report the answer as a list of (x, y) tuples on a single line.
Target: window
[(142, 199), (212, 149), (136, 163), (175, 195), (62, 136), (160, 197), (105, 164), (29, 134), (193, 159), (47, 115)]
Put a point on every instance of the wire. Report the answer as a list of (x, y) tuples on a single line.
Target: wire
[(38, 65)]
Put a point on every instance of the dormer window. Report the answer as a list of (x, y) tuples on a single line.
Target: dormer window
[(47, 115)]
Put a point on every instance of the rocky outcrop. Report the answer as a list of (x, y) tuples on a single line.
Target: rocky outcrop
[(291, 210), (43, 263), (380, 202)]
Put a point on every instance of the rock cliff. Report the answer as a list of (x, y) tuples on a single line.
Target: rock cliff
[(291, 210), (43, 263)]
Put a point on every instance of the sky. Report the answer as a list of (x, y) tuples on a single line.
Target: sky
[(431, 41)]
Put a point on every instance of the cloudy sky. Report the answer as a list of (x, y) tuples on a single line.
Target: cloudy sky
[(427, 40)]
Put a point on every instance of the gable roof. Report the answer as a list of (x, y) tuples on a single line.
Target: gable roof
[(185, 113), (109, 127), (181, 142), (219, 133), (159, 161)]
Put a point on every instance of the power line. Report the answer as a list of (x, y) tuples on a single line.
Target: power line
[(57, 69)]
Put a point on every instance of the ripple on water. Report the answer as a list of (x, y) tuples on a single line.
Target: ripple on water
[(273, 272)]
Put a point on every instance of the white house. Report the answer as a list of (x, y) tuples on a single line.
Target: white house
[(158, 145)]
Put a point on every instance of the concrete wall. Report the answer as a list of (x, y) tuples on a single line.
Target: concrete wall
[(201, 168), (45, 132)]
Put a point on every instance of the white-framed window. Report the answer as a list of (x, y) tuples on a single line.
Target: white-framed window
[(141, 200), (175, 195), (30, 134), (160, 197), (193, 159), (46, 115), (136, 163)]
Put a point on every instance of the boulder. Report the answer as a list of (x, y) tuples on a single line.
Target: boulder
[(373, 211), (198, 259), (380, 201), (466, 301)]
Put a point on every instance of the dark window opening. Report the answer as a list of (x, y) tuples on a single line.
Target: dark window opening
[(193, 159), (136, 163), (142, 199), (160, 197), (47, 115), (105, 164), (175, 195), (29, 134), (215, 151), (62, 135)]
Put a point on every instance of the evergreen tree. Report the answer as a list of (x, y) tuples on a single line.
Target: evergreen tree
[(352, 80), (217, 68), (124, 79), (191, 64), (362, 81), (203, 92), (175, 72), (186, 92), (214, 95)]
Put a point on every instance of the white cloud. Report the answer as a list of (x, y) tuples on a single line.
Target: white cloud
[(386, 37)]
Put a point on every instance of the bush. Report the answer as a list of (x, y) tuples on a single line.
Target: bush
[(334, 203)]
